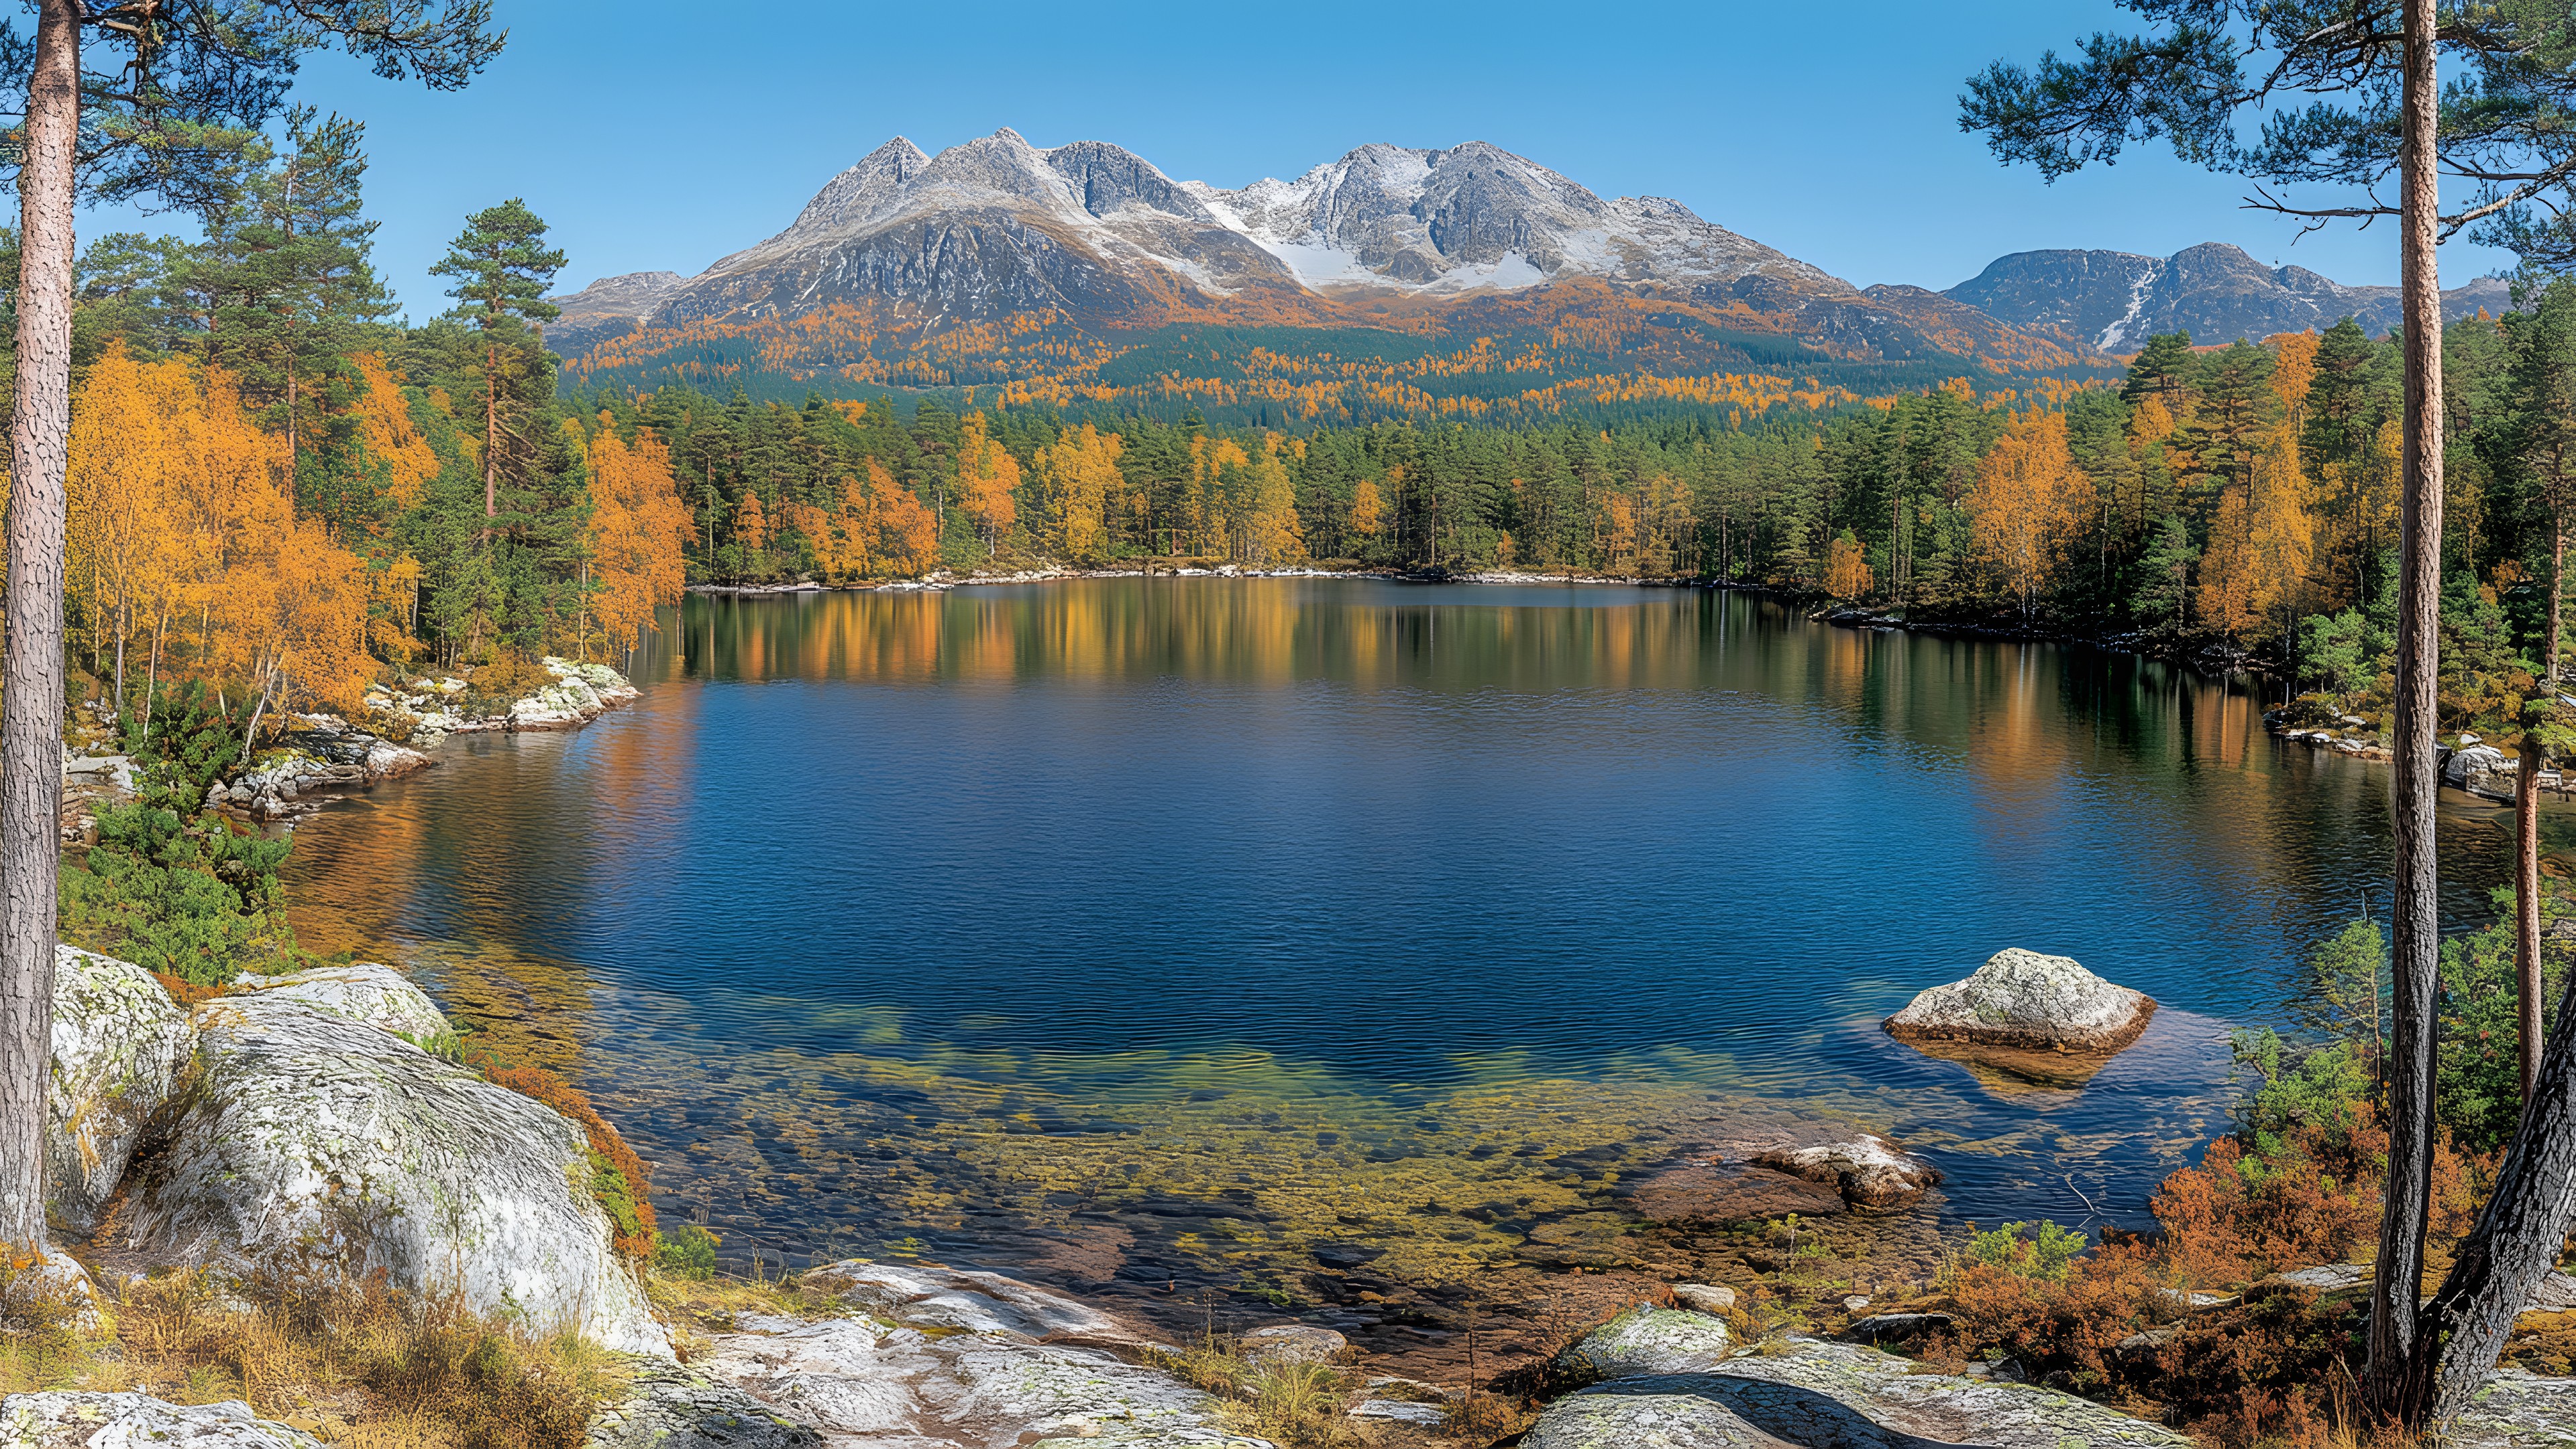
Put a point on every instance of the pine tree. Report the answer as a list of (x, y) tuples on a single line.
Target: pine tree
[(502, 269)]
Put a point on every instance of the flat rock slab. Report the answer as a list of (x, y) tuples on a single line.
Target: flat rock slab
[(671, 1407), (133, 1421), (935, 1358), (2024, 1001), (2517, 1410), (1686, 1393)]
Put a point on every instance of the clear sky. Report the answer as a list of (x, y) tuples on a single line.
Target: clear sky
[(655, 134)]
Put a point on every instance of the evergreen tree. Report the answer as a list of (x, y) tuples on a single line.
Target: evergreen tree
[(502, 269)]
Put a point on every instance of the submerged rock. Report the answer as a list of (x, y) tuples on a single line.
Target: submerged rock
[(1831, 1394), (118, 1044), (1868, 1171), (117, 1421), (2026, 1001), (311, 1142)]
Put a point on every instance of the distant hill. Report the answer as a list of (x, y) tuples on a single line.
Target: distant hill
[(2115, 301), (1465, 282)]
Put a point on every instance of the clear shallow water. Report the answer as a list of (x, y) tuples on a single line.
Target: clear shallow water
[(1222, 932)]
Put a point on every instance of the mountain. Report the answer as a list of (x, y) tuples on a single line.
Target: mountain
[(2115, 301), (1467, 273), (609, 307)]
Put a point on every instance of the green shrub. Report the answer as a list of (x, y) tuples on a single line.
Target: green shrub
[(199, 904), (2029, 1250), (688, 1251), (194, 736)]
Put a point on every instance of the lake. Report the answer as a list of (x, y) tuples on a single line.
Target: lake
[(1244, 940)]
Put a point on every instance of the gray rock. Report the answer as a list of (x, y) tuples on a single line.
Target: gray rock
[(1295, 1343), (1650, 1413), (308, 1142), (2327, 1278), (1704, 1298), (944, 1359), (1839, 1395), (132, 1421), (2025, 1000), (2517, 1410), (118, 1043), (2556, 1294), (671, 1407), (1401, 1411), (946, 1299), (1868, 1171), (364, 994), (1649, 1341)]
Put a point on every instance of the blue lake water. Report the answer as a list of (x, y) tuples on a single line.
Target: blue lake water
[(1223, 933)]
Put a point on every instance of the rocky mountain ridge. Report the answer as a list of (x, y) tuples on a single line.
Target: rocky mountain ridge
[(2115, 301)]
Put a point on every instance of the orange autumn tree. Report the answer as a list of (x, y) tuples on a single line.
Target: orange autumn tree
[(385, 431), (987, 477), (750, 522), (2027, 503), (1847, 574), (126, 537), (637, 528)]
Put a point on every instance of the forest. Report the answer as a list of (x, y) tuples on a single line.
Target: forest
[(281, 493)]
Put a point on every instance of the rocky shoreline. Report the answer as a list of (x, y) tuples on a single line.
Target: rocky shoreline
[(317, 754), (942, 580)]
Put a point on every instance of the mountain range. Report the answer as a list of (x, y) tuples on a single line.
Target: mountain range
[(1466, 274)]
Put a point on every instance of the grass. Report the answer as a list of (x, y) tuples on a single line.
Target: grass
[(362, 1366)]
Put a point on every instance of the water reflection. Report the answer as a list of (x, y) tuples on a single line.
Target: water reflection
[(1197, 931)]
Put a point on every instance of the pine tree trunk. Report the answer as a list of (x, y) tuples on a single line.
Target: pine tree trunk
[(491, 430), (2526, 909), (2516, 1242), (2416, 917), (31, 713)]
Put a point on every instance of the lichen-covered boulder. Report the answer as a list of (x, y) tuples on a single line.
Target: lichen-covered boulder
[(1868, 1171), (132, 1421), (118, 1044), (1649, 1341), (364, 994), (2515, 1410), (307, 1141), (2026, 1001)]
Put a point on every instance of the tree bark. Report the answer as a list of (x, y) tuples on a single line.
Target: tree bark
[(2416, 916), (31, 653), (2526, 909), (2516, 1242)]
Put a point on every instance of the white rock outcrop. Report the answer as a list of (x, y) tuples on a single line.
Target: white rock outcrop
[(309, 1139), (119, 1042), (2024, 1000), (134, 1421)]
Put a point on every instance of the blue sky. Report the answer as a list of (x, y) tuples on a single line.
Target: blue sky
[(658, 134)]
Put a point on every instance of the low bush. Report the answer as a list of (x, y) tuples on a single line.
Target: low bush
[(508, 678), (198, 902)]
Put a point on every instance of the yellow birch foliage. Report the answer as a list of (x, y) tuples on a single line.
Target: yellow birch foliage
[(2027, 502), (385, 428), (750, 521), (1271, 533), (1076, 478), (2280, 532), (1368, 510), (2227, 568), (987, 478), (637, 528)]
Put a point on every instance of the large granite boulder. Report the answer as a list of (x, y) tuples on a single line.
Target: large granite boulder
[(2025, 1001), (311, 1140), (363, 994), (118, 1044), (1835, 1394), (132, 1421)]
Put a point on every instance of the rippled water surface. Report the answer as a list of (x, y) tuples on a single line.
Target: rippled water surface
[(1256, 934)]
